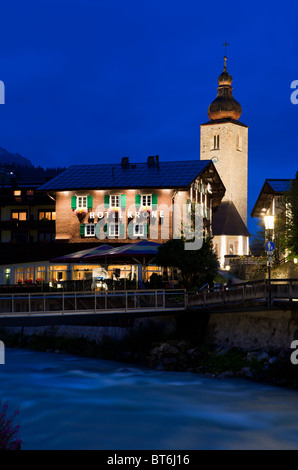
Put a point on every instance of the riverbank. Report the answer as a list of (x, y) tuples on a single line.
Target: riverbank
[(152, 349)]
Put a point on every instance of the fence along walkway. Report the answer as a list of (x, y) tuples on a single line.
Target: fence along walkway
[(281, 289), (60, 303)]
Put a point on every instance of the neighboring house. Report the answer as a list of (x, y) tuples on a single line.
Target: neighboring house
[(271, 198), (27, 215), (270, 202), (132, 201)]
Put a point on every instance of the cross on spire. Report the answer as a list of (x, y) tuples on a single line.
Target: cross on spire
[(225, 45)]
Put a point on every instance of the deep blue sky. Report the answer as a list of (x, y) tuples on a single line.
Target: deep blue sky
[(90, 81)]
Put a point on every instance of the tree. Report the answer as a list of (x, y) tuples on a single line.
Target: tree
[(257, 244), (197, 266), (291, 229), (8, 431)]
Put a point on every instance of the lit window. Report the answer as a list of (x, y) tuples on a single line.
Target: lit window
[(146, 200), (17, 192), (115, 201), (89, 230), (49, 215), (113, 230), (19, 215), (30, 192), (139, 230), (81, 202)]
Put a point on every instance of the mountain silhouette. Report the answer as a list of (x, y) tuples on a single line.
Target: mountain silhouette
[(8, 158)]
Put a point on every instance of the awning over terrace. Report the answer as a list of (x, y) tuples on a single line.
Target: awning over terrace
[(139, 251)]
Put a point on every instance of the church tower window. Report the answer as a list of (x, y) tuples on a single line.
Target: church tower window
[(216, 142), (239, 143)]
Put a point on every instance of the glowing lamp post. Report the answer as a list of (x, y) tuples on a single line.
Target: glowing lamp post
[(269, 222), (269, 226)]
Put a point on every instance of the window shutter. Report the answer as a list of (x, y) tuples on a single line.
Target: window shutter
[(130, 228), (82, 230), (107, 201), (147, 230), (121, 230), (73, 202), (105, 228), (123, 201), (154, 201), (89, 202), (137, 200)]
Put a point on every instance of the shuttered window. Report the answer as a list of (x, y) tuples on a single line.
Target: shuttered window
[(81, 202)]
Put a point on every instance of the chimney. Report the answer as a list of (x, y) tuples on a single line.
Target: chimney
[(125, 162), (157, 160), (150, 162)]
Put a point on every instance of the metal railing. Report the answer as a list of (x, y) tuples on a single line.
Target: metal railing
[(281, 289), (58, 303)]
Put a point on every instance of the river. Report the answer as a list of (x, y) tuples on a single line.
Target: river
[(69, 402)]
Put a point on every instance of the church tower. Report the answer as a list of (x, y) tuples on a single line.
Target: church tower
[(224, 140)]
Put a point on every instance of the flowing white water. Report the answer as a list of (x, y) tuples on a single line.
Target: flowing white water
[(68, 402)]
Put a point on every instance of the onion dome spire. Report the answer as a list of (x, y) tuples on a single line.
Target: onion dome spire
[(224, 106)]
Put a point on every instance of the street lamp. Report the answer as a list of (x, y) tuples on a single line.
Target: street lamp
[(269, 226), (269, 222)]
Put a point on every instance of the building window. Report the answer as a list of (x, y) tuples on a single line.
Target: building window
[(146, 200), (113, 230), (216, 142), (17, 192), (139, 230), (19, 275), (115, 201), (19, 215), (30, 192), (81, 202), (89, 230), (29, 274), (47, 215), (45, 236), (19, 236), (239, 143)]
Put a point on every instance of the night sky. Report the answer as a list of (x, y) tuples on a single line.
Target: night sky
[(91, 81)]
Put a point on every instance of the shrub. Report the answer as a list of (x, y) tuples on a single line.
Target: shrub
[(8, 431)]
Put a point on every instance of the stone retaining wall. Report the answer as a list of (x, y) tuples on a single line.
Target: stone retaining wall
[(255, 330), (96, 333), (264, 330)]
